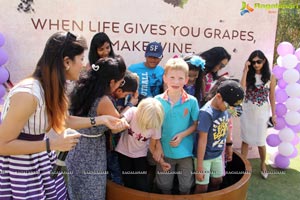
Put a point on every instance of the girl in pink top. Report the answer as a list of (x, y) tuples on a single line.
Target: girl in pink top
[(145, 132)]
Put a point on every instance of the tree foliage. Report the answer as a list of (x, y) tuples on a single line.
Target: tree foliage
[(288, 24)]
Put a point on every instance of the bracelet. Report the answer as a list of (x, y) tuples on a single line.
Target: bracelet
[(48, 145), (129, 104), (228, 144), (93, 121)]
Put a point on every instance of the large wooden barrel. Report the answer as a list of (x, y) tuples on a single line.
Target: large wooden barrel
[(234, 187)]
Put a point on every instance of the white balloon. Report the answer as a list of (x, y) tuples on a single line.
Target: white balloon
[(285, 148), (286, 135), (279, 61), (272, 156), (289, 61), (293, 89), (292, 118), (291, 75), (293, 104)]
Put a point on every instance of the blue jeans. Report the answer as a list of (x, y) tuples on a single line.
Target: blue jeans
[(113, 167)]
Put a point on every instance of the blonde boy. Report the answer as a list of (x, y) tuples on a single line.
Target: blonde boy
[(181, 113)]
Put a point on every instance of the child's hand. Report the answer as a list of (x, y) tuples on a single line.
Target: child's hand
[(176, 140), (157, 155), (134, 100), (165, 166), (200, 175), (228, 153)]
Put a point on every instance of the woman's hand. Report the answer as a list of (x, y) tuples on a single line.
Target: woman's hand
[(274, 120), (246, 68), (120, 125), (113, 123), (65, 141)]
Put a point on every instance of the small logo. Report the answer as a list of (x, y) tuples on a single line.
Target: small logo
[(246, 8), (185, 112)]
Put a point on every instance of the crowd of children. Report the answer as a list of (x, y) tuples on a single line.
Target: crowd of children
[(174, 119)]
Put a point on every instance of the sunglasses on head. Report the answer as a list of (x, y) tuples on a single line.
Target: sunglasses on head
[(253, 62), (69, 38)]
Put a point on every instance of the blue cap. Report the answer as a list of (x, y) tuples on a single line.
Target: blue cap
[(154, 49)]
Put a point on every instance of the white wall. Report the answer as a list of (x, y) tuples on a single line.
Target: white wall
[(136, 22)]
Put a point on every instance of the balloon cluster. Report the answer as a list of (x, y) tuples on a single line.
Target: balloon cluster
[(4, 74), (287, 95)]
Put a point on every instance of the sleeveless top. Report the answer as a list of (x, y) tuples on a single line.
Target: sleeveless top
[(86, 163), (28, 176)]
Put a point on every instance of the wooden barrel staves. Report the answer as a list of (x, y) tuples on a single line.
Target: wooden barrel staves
[(234, 186)]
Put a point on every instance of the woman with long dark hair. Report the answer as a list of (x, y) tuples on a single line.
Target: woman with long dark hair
[(91, 98), (259, 86), (32, 108), (216, 59)]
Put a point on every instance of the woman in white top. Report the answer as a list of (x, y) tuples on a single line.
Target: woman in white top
[(259, 85)]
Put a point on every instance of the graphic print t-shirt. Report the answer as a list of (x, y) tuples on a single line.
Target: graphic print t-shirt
[(151, 79), (215, 124)]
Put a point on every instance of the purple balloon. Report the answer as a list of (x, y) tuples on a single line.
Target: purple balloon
[(298, 67), (297, 53), (3, 75), (273, 140), (280, 109), (3, 57), (281, 161), (285, 48), (280, 123), (278, 71), (280, 95), (294, 154), (295, 141), (2, 40), (281, 84), (2, 91)]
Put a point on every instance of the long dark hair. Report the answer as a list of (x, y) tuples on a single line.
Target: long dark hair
[(198, 82), (50, 71), (213, 57), (98, 40), (265, 71), (96, 84)]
